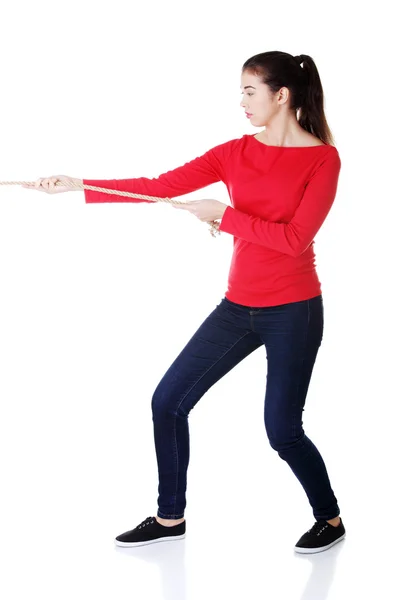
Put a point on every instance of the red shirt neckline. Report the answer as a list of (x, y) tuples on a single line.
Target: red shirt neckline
[(285, 147)]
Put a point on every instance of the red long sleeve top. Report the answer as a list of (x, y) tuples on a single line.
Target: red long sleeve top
[(280, 197)]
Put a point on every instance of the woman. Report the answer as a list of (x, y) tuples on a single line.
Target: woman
[(282, 183)]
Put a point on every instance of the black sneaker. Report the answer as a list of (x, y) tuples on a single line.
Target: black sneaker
[(150, 531), (320, 537)]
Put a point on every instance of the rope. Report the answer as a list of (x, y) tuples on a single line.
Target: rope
[(214, 225)]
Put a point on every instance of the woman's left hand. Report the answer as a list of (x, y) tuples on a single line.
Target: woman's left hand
[(205, 210)]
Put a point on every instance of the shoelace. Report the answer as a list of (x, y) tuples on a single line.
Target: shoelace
[(147, 521), (318, 527)]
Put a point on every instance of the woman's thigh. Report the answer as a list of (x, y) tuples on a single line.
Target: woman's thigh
[(292, 334), (222, 341)]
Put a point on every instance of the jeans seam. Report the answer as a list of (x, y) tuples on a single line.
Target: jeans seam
[(301, 371)]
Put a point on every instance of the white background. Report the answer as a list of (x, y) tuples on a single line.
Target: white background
[(97, 300)]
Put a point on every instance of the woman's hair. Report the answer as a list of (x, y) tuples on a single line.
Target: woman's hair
[(280, 69)]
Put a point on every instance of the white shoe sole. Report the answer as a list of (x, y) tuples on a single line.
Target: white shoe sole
[(313, 550), (163, 539)]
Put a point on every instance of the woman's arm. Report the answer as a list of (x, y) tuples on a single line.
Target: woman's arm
[(193, 175)]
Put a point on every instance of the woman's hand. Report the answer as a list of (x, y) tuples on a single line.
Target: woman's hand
[(48, 184), (205, 210)]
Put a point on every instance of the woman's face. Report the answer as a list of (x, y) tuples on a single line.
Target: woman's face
[(259, 101)]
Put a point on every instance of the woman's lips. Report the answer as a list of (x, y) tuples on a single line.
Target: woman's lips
[(248, 115)]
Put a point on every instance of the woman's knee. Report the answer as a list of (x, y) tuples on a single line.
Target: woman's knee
[(166, 401), (161, 400), (285, 436)]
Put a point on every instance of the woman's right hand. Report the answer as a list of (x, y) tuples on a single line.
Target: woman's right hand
[(47, 184)]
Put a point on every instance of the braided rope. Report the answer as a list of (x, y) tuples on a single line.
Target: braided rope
[(214, 225)]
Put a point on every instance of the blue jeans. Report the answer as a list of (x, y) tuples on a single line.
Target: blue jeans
[(292, 335)]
